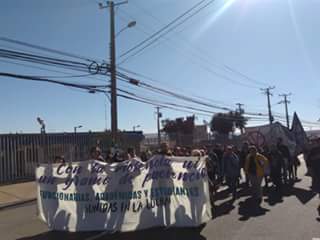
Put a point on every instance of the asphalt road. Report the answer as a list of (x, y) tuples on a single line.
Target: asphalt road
[(292, 218)]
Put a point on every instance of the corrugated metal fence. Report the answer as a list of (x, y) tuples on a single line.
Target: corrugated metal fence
[(20, 153)]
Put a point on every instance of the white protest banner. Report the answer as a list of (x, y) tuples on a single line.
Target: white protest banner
[(127, 196)]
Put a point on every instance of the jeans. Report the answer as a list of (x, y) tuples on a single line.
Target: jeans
[(232, 184)]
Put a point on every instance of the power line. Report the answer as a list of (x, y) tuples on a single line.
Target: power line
[(161, 35), (46, 49), (162, 29), (199, 53), (178, 89), (92, 76), (97, 88), (39, 60), (167, 92), (69, 63), (176, 106), (208, 67), (138, 83), (171, 104), (39, 79), (43, 60), (162, 106)]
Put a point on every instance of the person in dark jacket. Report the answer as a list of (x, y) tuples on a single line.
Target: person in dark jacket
[(242, 157), (231, 170), (219, 152), (276, 163), (267, 153), (212, 165), (288, 166), (314, 161)]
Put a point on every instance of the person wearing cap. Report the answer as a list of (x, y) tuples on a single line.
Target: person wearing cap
[(255, 166)]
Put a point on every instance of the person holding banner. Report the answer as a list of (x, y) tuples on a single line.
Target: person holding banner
[(131, 152), (254, 167), (164, 149), (95, 153)]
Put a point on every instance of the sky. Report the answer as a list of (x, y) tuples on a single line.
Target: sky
[(225, 53)]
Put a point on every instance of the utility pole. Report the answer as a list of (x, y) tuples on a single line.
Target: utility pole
[(241, 111), (114, 111), (159, 115), (286, 102), (267, 92)]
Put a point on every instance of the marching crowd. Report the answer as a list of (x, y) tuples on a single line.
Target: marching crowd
[(229, 165), (251, 165), (274, 165)]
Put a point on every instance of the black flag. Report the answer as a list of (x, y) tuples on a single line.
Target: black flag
[(299, 134)]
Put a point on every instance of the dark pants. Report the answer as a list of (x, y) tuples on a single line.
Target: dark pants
[(276, 178), (256, 186), (232, 184)]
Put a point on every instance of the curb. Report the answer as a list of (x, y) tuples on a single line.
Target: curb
[(17, 203)]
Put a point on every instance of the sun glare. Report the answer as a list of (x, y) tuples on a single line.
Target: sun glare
[(213, 18)]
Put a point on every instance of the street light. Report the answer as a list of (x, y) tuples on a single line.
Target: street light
[(42, 124), (136, 126), (76, 127), (129, 25)]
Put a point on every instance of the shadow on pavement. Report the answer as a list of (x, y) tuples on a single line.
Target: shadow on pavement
[(303, 195), (242, 191), (51, 235), (274, 197), (154, 234), (222, 209), (249, 208)]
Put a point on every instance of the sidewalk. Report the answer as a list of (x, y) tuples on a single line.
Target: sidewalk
[(15, 194)]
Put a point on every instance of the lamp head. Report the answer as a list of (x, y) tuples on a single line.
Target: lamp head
[(132, 24)]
